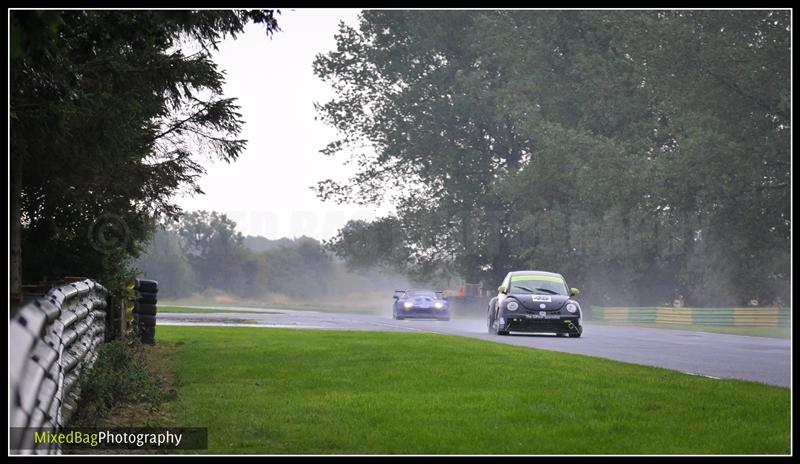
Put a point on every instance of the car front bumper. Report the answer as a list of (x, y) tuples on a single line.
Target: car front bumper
[(424, 313), (552, 323)]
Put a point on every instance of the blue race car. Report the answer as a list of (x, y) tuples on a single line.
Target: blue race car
[(420, 304)]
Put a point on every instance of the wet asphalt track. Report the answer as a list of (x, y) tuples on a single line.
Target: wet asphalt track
[(759, 359)]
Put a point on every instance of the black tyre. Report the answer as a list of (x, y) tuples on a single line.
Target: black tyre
[(144, 285), (576, 335), (146, 309), (490, 323), (147, 297), (147, 330), (147, 320), (147, 335)]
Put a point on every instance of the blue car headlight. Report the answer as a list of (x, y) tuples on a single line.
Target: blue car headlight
[(512, 305), (438, 305)]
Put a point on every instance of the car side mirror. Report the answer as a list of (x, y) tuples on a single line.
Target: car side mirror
[(501, 289), (573, 291)]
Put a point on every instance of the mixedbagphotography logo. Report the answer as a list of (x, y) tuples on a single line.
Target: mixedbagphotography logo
[(184, 438)]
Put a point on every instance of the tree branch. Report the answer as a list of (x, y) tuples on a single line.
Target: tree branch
[(180, 124)]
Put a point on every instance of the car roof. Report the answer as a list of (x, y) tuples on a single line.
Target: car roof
[(554, 274)]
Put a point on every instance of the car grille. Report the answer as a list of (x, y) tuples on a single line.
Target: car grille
[(543, 325)]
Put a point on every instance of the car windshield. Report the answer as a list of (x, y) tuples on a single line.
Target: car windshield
[(538, 285), (420, 293)]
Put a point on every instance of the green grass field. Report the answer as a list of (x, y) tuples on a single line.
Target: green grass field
[(181, 309), (274, 391)]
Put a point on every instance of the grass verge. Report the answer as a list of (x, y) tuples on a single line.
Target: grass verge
[(273, 391), (129, 385)]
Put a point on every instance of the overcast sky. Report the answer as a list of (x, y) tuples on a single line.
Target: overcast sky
[(267, 190)]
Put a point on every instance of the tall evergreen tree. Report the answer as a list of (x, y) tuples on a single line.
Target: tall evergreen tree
[(107, 115)]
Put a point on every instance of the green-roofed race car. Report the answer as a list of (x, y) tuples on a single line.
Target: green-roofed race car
[(535, 301)]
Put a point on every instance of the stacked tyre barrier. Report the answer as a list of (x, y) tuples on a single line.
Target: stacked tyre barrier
[(751, 316), (53, 343), (144, 311)]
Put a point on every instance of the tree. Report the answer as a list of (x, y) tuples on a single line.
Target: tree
[(376, 244), (300, 269), (106, 115), (165, 261), (644, 153), (213, 247), (422, 98)]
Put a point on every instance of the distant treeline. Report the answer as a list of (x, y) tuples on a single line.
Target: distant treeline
[(203, 252)]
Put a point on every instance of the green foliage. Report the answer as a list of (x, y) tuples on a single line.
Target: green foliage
[(176, 276), (258, 244), (213, 247), (644, 154), (371, 244), (107, 115), (385, 244), (303, 269), (119, 376)]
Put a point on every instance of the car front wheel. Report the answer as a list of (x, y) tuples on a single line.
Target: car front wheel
[(490, 323)]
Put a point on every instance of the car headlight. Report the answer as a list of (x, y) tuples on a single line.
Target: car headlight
[(572, 307), (512, 305), (408, 305), (438, 305)]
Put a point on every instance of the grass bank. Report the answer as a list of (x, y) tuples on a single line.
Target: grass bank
[(274, 391)]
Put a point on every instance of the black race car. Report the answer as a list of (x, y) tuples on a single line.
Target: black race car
[(535, 301)]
